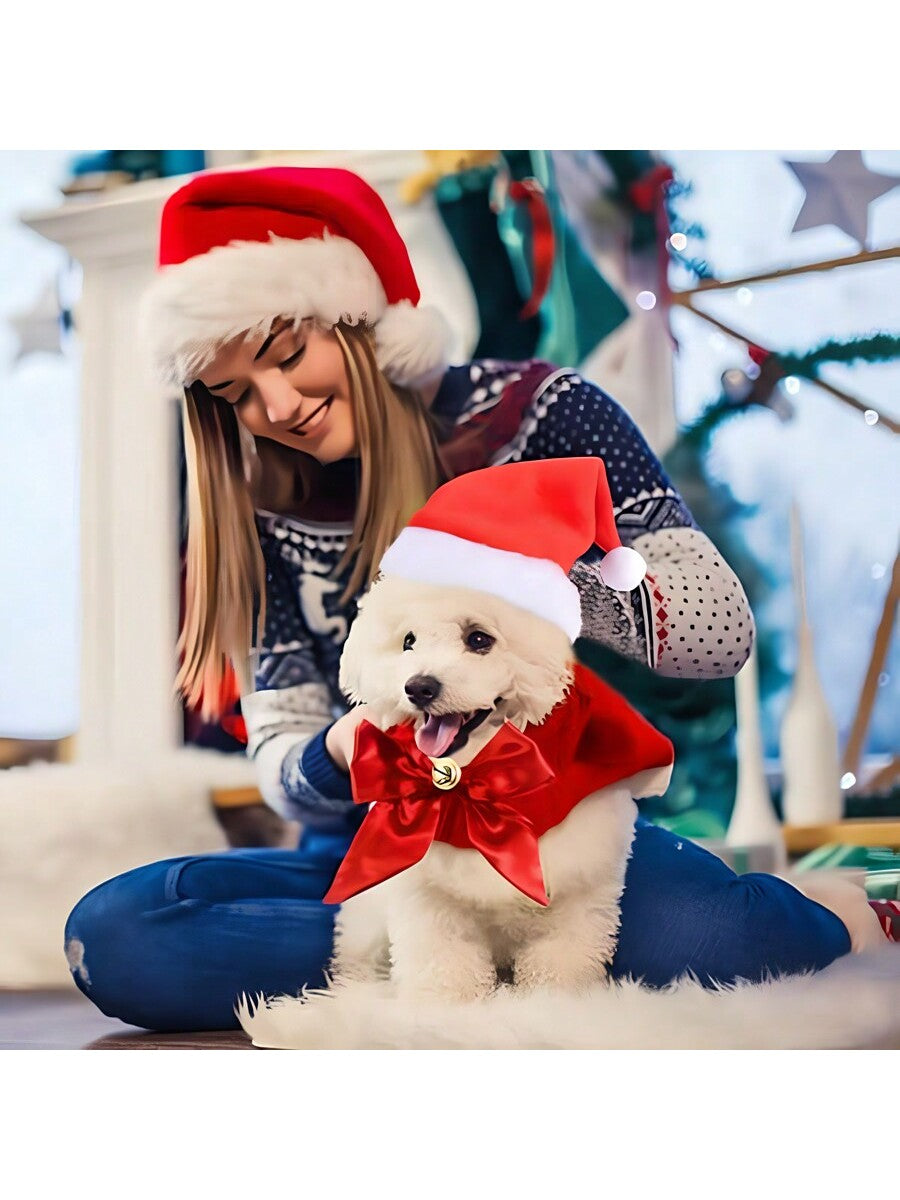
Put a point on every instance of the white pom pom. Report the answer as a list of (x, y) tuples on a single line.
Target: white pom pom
[(622, 569), (411, 344)]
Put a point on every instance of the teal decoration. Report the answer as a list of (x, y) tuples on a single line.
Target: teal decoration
[(140, 164), (580, 309), (183, 162), (493, 238), (464, 203)]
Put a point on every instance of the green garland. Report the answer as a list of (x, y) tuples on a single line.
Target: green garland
[(698, 267), (877, 347)]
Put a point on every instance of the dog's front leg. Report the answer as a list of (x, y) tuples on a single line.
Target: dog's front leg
[(438, 949), (361, 938), (570, 944)]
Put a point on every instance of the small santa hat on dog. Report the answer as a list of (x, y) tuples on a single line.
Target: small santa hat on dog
[(239, 248), (515, 531)]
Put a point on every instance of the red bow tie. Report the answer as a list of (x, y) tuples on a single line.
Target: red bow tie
[(487, 810)]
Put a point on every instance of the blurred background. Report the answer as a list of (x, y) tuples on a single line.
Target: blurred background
[(743, 306)]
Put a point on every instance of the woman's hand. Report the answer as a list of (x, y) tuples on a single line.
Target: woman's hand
[(340, 737)]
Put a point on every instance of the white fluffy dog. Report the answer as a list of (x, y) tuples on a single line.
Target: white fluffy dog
[(458, 663)]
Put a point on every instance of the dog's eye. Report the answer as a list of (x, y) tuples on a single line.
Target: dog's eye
[(409, 641), (479, 641)]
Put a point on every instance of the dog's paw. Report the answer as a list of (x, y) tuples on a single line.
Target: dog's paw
[(459, 983), (557, 964)]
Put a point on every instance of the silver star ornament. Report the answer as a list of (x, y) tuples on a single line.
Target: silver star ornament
[(839, 192)]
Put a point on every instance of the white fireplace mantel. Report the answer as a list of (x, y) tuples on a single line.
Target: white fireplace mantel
[(129, 551)]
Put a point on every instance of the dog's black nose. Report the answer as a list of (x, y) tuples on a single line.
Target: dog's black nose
[(422, 690)]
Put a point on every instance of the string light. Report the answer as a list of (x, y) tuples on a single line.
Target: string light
[(736, 385), (877, 570), (847, 781), (645, 300), (744, 296), (678, 241), (870, 416), (792, 385), (884, 679)]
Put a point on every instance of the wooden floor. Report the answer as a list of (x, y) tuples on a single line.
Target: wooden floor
[(65, 1020)]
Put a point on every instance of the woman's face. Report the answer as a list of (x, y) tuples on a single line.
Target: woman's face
[(289, 386)]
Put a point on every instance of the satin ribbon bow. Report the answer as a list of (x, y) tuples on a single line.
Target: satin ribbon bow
[(486, 811)]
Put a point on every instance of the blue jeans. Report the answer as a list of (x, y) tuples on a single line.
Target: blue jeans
[(171, 945)]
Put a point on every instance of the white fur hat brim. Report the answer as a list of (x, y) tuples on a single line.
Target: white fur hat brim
[(193, 307), (537, 585)]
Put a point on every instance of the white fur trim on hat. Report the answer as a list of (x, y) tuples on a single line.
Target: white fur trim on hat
[(411, 344), (191, 308), (535, 584)]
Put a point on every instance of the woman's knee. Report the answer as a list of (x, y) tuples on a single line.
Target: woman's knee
[(173, 944), (103, 931)]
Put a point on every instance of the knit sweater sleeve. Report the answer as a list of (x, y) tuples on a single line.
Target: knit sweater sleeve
[(690, 616), (289, 711)]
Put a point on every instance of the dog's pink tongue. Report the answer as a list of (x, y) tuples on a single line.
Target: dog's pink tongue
[(435, 737)]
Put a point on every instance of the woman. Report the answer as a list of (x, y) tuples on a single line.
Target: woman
[(319, 414)]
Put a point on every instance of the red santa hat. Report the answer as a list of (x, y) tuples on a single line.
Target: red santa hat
[(515, 531), (238, 248)]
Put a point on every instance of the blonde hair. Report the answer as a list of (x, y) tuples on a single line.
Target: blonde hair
[(225, 606)]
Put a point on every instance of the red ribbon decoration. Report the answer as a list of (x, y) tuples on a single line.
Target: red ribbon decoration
[(758, 354), (647, 192), (543, 240), (409, 811)]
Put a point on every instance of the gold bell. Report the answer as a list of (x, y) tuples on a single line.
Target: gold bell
[(445, 773)]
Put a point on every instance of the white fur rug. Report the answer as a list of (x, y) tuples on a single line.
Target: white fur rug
[(854, 1004), (65, 828)]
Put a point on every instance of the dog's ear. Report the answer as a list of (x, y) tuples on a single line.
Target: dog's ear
[(359, 645), (540, 686), (351, 658), (541, 667)]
